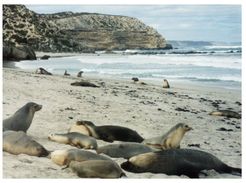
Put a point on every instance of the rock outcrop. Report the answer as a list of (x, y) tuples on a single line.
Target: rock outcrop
[(76, 32), (16, 53)]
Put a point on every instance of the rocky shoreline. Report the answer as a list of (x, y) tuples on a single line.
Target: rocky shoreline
[(73, 32)]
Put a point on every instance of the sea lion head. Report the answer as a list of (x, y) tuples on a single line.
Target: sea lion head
[(185, 127), (61, 138), (83, 122), (33, 106)]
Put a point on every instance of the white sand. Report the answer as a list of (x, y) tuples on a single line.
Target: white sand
[(118, 103)]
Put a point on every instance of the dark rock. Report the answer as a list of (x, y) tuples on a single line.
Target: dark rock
[(224, 129), (181, 109), (17, 53), (135, 79), (45, 57), (238, 103), (194, 145)]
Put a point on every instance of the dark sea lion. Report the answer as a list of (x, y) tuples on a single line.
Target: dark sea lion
[(110, 133), (165, 84), (64, 157), (124, 150), (97, 169), (75, 139), (226, 113), (41, 70), (169, 140), (84, 84), (19, 143), (21, 119), (66, 74), (80, 74), (135, 79), (187, 162)]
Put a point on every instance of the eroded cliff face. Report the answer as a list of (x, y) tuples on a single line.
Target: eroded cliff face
[(77, 32)]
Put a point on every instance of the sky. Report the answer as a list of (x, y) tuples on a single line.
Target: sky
[(174, 22)]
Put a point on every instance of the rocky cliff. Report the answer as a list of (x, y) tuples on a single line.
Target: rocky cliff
[(77, 32)]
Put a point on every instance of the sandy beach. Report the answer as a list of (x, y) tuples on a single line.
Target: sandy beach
[(148, 109)]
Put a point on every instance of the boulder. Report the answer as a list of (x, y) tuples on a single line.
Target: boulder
[(17, 53)]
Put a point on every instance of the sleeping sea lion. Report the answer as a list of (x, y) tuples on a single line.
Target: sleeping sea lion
[(226, 113), (22, 118), (97, 169), (169, 140), (19, 143), (187, 162), (110, 133), (75, 139), (124, 150), (64, 157)]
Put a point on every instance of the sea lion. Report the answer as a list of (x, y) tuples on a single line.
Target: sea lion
[(169, 140), (135, 79), (124, 150), (66, 74), (142, 83), (187, 162), (226, 113), (84, 84), (97, 169), (75, 139), (19, 143), (64, 157), (79, 128), (41, 70), (22, 118), (110, 133), (80, 74), (166, 84)]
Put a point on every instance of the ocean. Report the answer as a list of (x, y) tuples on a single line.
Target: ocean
[(210, 65)]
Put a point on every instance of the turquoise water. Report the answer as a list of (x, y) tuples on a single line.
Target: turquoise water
[(215, 70)]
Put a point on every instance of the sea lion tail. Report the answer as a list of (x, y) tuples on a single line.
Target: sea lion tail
[(232, 170), (128, 166), (123, 175), (236, 171)]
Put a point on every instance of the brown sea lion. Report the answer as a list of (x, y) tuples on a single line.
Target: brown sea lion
[(169, 140), (75, 139), (64, 157), (166, 84), (19, 143), (110, 133), (226, 113), (79, 128), (22, 118), (97, 169), (187, 162), (124, 150)]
